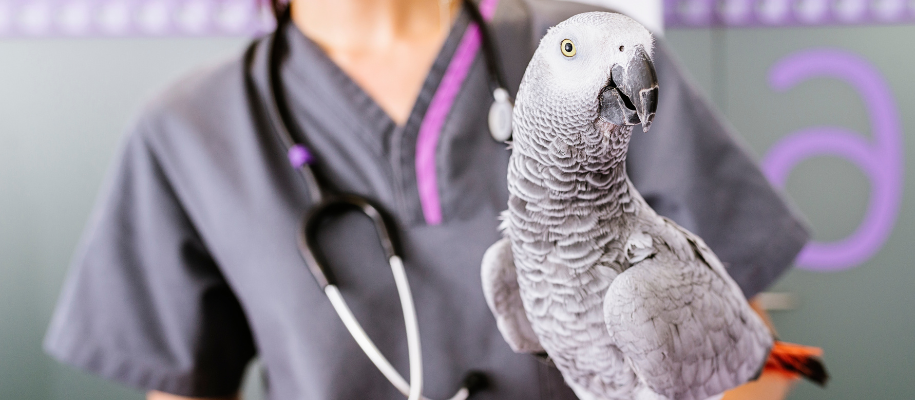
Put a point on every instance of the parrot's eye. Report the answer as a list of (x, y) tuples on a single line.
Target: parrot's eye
[(567, 48), (621, 48)]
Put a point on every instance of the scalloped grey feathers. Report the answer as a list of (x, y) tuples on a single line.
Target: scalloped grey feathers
[(626, 303)]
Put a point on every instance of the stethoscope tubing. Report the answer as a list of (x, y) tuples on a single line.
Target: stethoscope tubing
[(413, 390), (308, 246), (276, 114)]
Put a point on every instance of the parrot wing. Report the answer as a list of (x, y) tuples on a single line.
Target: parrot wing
[(500, 287), (681, 321)]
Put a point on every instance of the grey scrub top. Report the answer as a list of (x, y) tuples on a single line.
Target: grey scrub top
[(189, 266)]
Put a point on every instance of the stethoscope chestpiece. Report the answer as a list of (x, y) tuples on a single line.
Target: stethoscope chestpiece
[(475, 381), (500, 115)]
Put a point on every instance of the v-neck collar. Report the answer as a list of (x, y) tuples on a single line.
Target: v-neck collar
[(342, 93), (407, 154), (326, 94)]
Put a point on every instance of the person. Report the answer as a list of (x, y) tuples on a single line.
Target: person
[(189, 266)]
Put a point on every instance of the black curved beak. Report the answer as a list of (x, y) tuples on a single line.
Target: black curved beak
[(631, 97)]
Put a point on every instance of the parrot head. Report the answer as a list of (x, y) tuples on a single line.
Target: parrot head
[(592, 76)]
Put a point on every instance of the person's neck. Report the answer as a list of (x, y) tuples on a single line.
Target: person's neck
[(365, 25), (386, 46)]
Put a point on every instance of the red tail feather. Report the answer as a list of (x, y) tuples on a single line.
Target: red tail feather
[(795, 361)]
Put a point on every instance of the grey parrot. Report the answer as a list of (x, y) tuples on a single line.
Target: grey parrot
[(626, 303)]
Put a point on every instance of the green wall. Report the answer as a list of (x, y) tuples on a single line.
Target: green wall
[(863, 316), (64, 105)]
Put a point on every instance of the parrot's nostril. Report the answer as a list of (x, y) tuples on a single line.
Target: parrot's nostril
[(621, 48)]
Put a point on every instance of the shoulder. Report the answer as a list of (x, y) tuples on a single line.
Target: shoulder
[(520, 25), (204, 100), (202, 126), (545, 14)]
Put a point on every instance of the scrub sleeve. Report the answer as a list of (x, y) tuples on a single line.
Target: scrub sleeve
[(692, 168), (144, 304)]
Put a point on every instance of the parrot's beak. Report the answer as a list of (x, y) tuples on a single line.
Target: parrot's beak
[(631, 97)]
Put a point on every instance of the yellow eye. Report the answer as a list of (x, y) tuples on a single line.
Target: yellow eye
[(567, 48)]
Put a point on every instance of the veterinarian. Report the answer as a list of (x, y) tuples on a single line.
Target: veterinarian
[(191, 263)]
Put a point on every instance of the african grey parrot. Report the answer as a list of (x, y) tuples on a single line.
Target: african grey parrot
[(626, 303)]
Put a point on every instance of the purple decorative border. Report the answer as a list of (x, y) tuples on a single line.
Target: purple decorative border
[(246, 17), (86, 18), (771, 13)]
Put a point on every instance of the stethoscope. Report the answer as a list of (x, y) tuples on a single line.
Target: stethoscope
[(278, 115)]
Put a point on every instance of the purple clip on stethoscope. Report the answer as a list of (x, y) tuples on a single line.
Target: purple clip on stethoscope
[(328, 205)]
